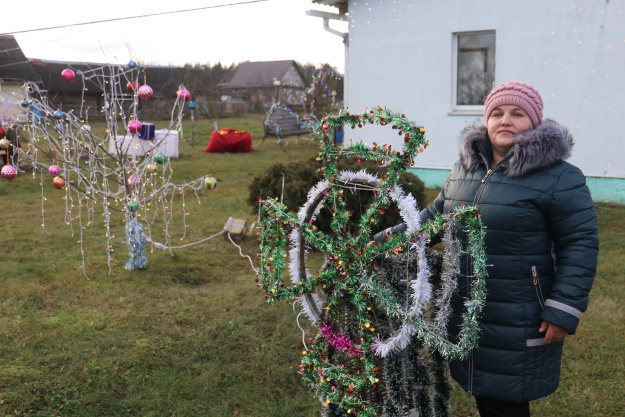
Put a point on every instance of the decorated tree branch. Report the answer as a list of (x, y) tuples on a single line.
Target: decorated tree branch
[(131, 177), (375, 306)]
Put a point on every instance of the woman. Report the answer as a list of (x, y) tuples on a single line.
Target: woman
[(542, 241)]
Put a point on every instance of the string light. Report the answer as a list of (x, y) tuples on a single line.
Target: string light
[(96, 178)]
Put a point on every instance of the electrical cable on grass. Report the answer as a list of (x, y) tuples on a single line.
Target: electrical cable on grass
[(163, 247), (241, 253)]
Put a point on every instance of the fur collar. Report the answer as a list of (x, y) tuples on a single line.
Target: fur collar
[(545, 146)]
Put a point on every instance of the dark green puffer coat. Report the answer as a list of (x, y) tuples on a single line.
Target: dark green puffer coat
[(542, 241)]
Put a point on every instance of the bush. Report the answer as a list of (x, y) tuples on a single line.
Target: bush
[(300, 178)]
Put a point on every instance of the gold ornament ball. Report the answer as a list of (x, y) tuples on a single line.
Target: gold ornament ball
[(4, 143), (210, 183)]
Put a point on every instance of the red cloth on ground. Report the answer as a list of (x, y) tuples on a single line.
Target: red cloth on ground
[(230, 140)]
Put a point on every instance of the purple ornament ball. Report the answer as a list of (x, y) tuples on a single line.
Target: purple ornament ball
[(54, 170)]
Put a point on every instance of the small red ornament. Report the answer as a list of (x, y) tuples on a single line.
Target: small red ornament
[(184, 95), (68, 75), (134, 126), (59, 183), (131, 87), (3, 132), (133, 181)]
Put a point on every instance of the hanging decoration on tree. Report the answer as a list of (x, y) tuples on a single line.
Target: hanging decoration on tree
[(68, 75), (135, 186), (377, 307), (145, 92)]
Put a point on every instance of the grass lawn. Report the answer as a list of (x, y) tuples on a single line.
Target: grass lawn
[(192, 335)]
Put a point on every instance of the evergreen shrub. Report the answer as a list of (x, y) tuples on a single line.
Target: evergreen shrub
[(299, 178)]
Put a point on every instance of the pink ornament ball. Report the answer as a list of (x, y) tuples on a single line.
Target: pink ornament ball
[(131, 87), (134, 126), (68, 75), (54, 170), (145, 92), (184, 95), (8, 172), (133, 181)]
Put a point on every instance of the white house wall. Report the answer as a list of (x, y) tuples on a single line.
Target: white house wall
[(573, 52)]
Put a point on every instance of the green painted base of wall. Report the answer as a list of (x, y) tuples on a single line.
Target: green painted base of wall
[(602, 189), (607, 189), (430, 177)]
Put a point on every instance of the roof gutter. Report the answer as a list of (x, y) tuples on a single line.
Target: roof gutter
[(326, 22)]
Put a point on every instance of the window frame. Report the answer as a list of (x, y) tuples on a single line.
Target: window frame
[(465, 110)]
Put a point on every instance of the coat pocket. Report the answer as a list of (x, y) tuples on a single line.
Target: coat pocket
[(539, 291)]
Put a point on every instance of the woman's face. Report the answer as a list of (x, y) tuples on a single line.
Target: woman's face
[(504, 123)]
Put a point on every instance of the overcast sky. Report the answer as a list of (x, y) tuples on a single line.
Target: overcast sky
[(262, 31)]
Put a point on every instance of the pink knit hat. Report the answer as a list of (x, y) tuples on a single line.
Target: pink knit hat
[(519, 94)]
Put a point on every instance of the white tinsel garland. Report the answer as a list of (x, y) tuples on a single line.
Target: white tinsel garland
[(451, 269)]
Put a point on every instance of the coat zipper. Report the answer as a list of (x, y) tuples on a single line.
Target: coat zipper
[(539, 291), (476, 200)]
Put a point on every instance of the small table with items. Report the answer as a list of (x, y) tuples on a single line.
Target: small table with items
[(164, 140)]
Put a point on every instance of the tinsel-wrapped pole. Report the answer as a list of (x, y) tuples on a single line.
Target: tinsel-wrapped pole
[(135, 240)]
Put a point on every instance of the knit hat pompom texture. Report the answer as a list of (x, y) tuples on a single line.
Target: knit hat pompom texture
[(519, 94)]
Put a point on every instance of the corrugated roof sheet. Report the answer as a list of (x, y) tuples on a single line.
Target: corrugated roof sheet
[(14, 66), (165, 80)]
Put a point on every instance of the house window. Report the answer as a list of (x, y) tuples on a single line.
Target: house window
[(474, 71)]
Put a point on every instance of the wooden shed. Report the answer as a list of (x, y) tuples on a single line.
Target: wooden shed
[(263, 83)]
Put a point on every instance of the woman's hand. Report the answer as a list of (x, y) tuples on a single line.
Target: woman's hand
[(554, 333)]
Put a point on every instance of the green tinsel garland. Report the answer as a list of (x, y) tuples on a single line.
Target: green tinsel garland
[(350, 277)]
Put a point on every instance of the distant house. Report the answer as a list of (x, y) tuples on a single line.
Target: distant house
[(263, 83), (15, 72), (437, 61)]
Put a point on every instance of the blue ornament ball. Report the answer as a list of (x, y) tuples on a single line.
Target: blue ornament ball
[(132, 64), (58, 115), (192, 106), (25, 103)]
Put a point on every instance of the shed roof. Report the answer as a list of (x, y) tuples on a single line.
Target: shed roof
[(260, 73), (14, 66)]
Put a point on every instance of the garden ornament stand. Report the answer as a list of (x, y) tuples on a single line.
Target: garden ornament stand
[(381, 310)]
